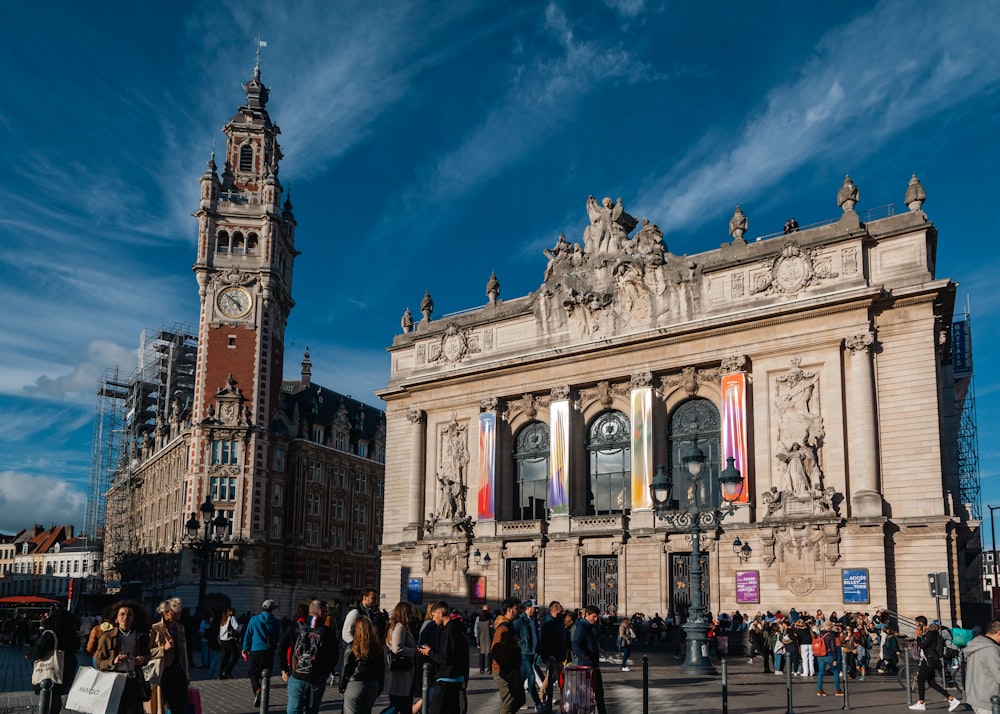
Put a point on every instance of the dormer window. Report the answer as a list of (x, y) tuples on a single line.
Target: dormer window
[(246, 158)]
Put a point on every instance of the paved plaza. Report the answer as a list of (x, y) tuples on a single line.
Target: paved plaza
[(750, 690)]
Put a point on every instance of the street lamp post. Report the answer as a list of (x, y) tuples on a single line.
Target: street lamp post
[(696, 519), (214, 528)]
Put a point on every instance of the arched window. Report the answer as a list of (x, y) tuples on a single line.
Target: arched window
[(222, 242), (531, 480), (609, 472), (238, 244), (251, 243), (696, 419), (246, 158)]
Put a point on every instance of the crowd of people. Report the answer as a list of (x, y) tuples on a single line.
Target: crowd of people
[(371, 652)]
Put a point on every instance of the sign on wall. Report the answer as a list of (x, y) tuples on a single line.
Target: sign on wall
[(855, 584), (747, 587), (415, 591)]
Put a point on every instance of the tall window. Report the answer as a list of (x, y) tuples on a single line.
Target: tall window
[(695, 419), (246, 158), (223, 488), (609, 449), (531, 480)]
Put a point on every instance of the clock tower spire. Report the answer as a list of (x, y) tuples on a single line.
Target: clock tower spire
[(246, 247)]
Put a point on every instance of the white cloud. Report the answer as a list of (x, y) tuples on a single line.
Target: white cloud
[(887, 81), (27, 499), (80, 384)]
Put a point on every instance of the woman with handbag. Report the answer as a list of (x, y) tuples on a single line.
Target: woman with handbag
[(58, 641), (364, 669), (168, 645), (401, 647), (125, 648), (229, 640)]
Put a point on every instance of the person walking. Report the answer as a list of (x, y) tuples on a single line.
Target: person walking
[(527, 641), (451, 660), (169, 643), (259, 640), (931, 646), (625, 637), (552, 644), (587, 651), (58, 633), (363, 674), (506, 654), (309, 652), (229, 640), (399, 679), (827, 653), (982, 669), (125, 648), (484, 638)]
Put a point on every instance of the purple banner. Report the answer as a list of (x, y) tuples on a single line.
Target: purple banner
[(747, 586)]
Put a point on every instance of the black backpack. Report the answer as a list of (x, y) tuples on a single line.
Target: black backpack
[(305, 650)]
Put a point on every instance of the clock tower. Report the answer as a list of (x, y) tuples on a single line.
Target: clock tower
[(246, 247)]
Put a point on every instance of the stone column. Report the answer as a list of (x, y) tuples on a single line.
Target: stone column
[(866, 501), (418, 442)]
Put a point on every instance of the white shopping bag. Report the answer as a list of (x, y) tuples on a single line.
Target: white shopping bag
[(95, 692)]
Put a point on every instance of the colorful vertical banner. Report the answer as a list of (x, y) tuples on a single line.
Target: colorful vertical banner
[(642, 447), (487, 464), (734, 426), (559, 459)]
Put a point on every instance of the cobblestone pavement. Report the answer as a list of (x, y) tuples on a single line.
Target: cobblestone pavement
[(749, 690)]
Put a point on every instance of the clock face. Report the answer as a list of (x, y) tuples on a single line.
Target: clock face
[(234, 302)]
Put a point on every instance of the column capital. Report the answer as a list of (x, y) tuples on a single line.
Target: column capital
[(416, 416), (860, 342), (733, 364), (561, 392), (489, 404), (641, 379)]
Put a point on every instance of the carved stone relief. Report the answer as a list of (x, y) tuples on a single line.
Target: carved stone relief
[(738, 288), (614, 282), (452, 471), (603, 392), (690, 379), (849, 259), (453, 346), (791, 271), (803, 553), (800, 493)]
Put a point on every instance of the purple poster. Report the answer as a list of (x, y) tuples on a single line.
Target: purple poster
[(747, 586)]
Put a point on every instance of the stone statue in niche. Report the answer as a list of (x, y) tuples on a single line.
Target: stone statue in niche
[(800, 429), (452, 471), (800, 437)]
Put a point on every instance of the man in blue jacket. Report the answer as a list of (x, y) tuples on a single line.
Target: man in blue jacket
[(259, 641), (587, 651), (527, 640)]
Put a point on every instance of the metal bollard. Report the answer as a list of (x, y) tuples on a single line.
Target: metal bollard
[(550, 677), (645, 684), (995, 704), (45, 696), (725, 686), (265, 691), (425, 688), (909, 682), (788, 687), (844, 679)]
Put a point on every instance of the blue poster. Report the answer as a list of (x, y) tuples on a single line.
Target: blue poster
[(855, 586), (415, 591)]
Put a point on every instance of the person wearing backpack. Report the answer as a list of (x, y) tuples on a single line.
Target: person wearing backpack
[(931, 645), (308, 654), (826, 651)]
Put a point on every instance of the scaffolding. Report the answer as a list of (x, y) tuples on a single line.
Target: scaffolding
[(132, 410), (965, 404)]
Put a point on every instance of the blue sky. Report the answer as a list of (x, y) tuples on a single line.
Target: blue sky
[(428, 144)]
